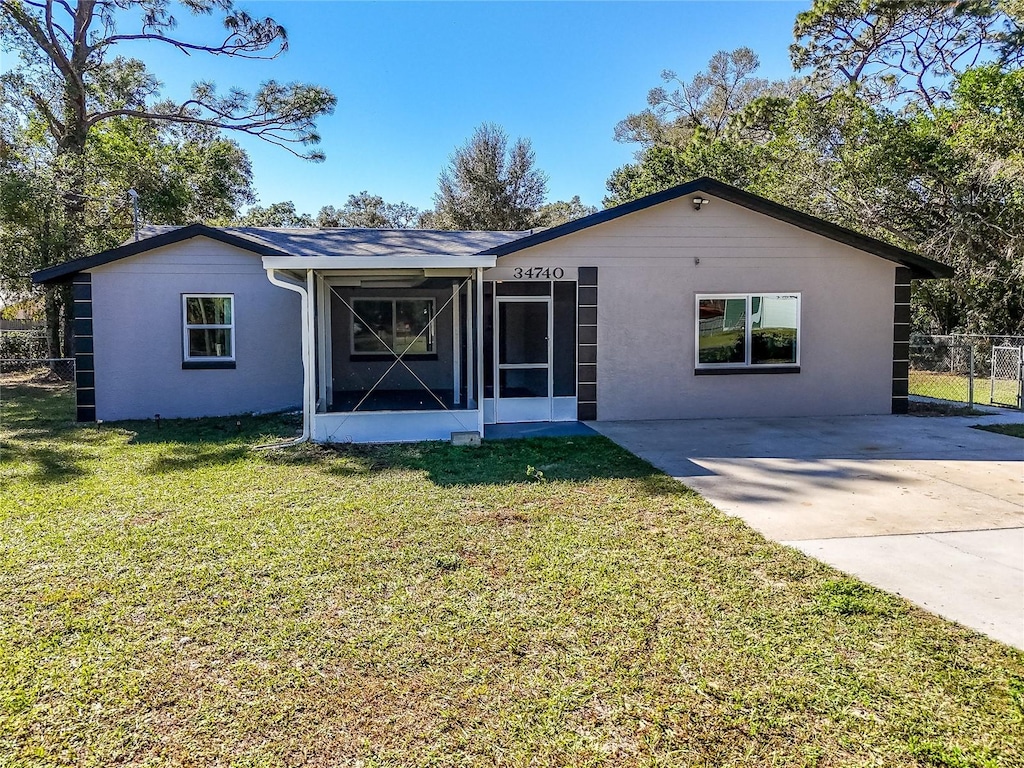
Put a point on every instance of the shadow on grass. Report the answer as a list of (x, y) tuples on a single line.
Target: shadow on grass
[(49, 464), (39, 425), (187, 457), (36, 405), (528, 461), (186, 444), (241, 429)]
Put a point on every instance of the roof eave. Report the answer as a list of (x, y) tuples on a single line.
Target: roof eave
[(63, 272), (921, 267)]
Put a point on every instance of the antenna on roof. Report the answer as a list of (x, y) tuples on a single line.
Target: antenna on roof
[(134, 197)]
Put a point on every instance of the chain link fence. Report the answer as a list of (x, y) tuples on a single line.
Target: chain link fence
[(27, 344), (54, 368), (982, 370), (24, 352)]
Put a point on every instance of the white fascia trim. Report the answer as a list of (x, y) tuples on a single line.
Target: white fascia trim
[(377, 262)]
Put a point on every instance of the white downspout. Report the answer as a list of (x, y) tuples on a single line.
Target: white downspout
[(308, 367)]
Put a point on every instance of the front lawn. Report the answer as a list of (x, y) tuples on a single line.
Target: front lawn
[(168, 597)]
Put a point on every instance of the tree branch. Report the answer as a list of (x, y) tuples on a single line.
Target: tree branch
[(239, 50)]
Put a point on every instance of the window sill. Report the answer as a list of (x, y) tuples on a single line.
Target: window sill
[(389, 358), (209, 365), (746, 370)]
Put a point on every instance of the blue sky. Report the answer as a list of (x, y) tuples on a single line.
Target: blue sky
[(414, 79)]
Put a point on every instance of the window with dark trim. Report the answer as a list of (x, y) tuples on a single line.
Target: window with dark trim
[(208, 327), (747, 331), (402, 326)]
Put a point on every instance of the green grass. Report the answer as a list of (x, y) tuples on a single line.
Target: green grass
[(1013, 430), (169, 597), (950, 386)]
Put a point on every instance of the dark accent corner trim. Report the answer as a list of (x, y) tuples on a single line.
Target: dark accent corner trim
[(82, 343), (207, 365), (586, 344), (746, 371), (901, 340)]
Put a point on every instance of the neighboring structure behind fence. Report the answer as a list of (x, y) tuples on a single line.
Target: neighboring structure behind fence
[(983, 370)]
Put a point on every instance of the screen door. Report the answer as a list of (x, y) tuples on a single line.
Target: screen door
[(523, 360)]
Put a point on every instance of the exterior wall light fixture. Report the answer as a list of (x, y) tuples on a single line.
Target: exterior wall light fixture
[(699, 201)]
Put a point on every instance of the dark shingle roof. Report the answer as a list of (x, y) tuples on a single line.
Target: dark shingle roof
[(313, 241), (300, 241)]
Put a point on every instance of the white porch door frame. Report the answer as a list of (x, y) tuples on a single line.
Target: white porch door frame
[(517, 409), (478, 313)]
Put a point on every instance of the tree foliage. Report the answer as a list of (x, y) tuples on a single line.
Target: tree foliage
[(92, 118), (74, 79), (280, 215), (368, 211), (705, 104), (938, 172), (893, 50), (561, 212), (489, 185)]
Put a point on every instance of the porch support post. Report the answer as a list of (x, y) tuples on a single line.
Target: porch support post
[(457, 346), (310, 326), (322, 358), (479, 310), (471, 400)]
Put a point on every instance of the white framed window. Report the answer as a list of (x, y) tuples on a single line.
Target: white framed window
[(747, 330), (208, 327), (399, 325)]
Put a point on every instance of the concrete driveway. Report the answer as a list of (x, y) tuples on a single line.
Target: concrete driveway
[(924, 507)]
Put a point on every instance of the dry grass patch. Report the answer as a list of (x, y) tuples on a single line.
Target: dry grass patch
[(170, 597)]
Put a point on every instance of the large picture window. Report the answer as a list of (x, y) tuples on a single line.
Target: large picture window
[(402, 326), (209, 327), (748, 330)]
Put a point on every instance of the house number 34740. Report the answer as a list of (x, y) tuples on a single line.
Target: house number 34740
[(538, 273)]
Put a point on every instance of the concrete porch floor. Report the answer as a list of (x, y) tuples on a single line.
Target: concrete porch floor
[(925, 507)]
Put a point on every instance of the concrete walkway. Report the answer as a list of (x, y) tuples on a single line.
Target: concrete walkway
[(925, 507)]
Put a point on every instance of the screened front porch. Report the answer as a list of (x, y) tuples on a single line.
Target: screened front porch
[(397, 354)]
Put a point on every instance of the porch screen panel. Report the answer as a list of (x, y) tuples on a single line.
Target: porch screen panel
[(523, 382), (564, 339), (371, 331), (413, 331), (488, 339), (523, 336)]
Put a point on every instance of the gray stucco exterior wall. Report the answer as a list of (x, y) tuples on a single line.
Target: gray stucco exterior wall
[(137, 325), (652, 265)]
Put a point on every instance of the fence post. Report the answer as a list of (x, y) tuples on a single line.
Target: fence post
[(1020, 380), (970, 378)]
